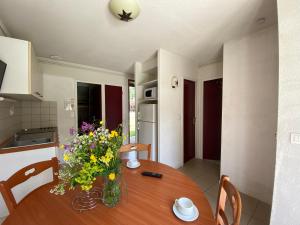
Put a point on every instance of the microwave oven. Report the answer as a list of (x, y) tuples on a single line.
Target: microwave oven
[(150, 93)]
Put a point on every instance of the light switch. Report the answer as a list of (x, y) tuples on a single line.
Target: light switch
[(295, 138)]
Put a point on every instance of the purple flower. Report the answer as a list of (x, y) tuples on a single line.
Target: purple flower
[(86, 127), (72, 131), (93, 146), (67, 147)]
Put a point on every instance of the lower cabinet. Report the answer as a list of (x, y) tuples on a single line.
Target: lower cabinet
[(14, 161)]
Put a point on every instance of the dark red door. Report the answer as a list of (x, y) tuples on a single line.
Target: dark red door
[(212, 119), (113, 106), (189, 120)]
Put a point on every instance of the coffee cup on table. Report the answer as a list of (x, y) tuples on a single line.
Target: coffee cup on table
[(185, 206), (133, 162), (132, 159)]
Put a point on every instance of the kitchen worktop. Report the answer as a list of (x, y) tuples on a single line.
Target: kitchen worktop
[(30, 139)]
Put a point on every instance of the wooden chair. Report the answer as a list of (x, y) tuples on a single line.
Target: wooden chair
[(228, 192), (23, 175), (136, 147)]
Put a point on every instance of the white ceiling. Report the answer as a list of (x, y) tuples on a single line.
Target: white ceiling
[(85, 32)]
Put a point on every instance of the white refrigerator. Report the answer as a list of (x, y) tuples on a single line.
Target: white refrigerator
[(147, 128)]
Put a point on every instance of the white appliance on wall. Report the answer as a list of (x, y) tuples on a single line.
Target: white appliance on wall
[(147, 128), (150, 93)]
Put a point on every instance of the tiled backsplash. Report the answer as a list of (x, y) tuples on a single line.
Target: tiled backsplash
[(27, 114), (39, 114), (9, 124)]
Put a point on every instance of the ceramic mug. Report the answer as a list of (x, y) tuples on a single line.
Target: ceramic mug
[(133, 163), (185, 206)]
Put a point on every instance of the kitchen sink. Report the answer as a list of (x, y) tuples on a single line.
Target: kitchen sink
[(31, 137), (30, 142)]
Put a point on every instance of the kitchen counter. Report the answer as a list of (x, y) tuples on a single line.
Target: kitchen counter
[(30, 139)]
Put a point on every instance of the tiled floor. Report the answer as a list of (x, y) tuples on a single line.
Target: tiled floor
[(206, 175)]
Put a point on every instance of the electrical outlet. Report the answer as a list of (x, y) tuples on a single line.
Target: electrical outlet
[(295, 138)]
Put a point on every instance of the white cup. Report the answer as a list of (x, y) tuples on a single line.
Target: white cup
[(185, 206), (133, 163)]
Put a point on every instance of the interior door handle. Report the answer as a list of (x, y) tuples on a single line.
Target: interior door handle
[(194, 120)]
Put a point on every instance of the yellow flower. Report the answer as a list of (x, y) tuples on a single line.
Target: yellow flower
[(114, 133), (112, 176), (105, 160), (101, 122), (108, 156), (62, 146), (93, 158), (86, 187), (102, 138), (66, 157), (91, 134)]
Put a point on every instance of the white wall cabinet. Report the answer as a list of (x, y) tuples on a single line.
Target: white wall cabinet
[(23, 77)]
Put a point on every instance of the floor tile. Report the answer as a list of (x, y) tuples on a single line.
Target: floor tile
[(2, 219), (262, 212), (213, 190), (249, 204), (212, 201), (257, 222), (245, 218), (206, 182), (207, 173)]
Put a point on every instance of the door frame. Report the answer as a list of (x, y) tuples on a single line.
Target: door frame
[(182, 115), (124, 100), (200, 108), (202, 134), (76, 101), (128, 127)]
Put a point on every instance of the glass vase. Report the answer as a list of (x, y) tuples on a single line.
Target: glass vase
[(111, 193)]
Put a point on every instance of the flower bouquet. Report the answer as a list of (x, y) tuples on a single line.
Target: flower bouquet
[(92, 153)]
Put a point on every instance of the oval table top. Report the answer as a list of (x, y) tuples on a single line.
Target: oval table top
[(147, 201)]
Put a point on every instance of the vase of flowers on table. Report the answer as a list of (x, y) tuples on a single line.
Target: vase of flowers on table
[(92, 153)]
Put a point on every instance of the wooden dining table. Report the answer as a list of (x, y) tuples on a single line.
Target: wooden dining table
[(147, 200)]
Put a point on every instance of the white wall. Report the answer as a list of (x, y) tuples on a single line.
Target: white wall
[(205, 73), (170, 108), (60, 84), (249, 120), (286, 196)]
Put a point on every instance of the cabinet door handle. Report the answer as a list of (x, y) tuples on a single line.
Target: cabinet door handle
[(39, 94)]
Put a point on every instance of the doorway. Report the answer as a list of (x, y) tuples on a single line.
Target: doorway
[(189, 120), (113, 107), (132, 108), (89, 103), (212, 119)]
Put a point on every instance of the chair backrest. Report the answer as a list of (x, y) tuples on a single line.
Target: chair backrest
[(227, 192), (137, 147), (23, 175)]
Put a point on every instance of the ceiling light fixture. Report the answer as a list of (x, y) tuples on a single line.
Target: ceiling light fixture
[(125, 10)]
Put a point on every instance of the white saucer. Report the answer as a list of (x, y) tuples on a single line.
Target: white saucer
[(133, 167), (186, 218)]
